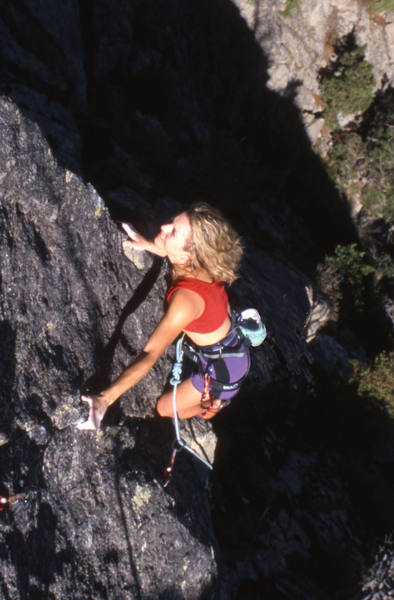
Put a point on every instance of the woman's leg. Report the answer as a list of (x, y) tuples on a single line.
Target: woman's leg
[(188, 401)]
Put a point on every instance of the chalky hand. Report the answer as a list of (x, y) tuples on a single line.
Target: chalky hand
[(96, 414), (137, 241)]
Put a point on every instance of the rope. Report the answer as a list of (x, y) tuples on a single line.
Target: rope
[(179, 444)]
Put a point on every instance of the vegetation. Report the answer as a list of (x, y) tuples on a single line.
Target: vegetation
[(347, 86), (380, 5), (289, 7), (377, 381), (360, 161), (347, 276), (351, 263)]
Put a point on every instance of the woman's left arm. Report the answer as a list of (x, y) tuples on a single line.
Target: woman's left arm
[(138, 242)]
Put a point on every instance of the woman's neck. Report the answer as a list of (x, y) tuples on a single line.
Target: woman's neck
[(180, 272)]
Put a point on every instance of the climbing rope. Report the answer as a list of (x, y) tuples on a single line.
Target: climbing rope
[(179, 444)]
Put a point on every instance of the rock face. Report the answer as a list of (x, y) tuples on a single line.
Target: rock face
[(380, 582), (133, 111), (73, 306), (299, 38)]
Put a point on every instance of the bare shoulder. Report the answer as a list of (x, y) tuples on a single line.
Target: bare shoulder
[(185, 306), (187, 300), (182, 309)]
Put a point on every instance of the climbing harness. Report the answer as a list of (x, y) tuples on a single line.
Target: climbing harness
[(179, 443), (25, 497), (212, 358)]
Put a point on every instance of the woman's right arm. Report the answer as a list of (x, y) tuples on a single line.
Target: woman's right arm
[(138, 242)]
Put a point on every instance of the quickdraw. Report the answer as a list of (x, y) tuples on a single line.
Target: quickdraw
[(25, 497), (206, 398), (179, 444)]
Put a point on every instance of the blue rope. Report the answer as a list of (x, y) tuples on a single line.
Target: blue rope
[(175, 381)]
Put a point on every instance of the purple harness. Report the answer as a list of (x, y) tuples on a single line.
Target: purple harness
[(227, 363)]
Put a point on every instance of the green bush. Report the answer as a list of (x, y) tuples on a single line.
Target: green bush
[(377, 380), (361, 161), (364, 171), (346, 275), (354, 284), (289, 7), (347, 87), (378, 194), (351, 263), (385, 269), (380, 5)]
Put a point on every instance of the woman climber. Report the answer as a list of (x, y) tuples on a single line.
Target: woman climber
[(205, 253)]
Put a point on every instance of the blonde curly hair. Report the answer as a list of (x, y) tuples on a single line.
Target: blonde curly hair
[(213, 245)]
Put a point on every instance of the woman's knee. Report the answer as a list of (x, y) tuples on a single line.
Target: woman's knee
[(164, 406)]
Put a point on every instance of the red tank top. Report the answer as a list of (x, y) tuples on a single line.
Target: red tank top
[(216, 303)]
